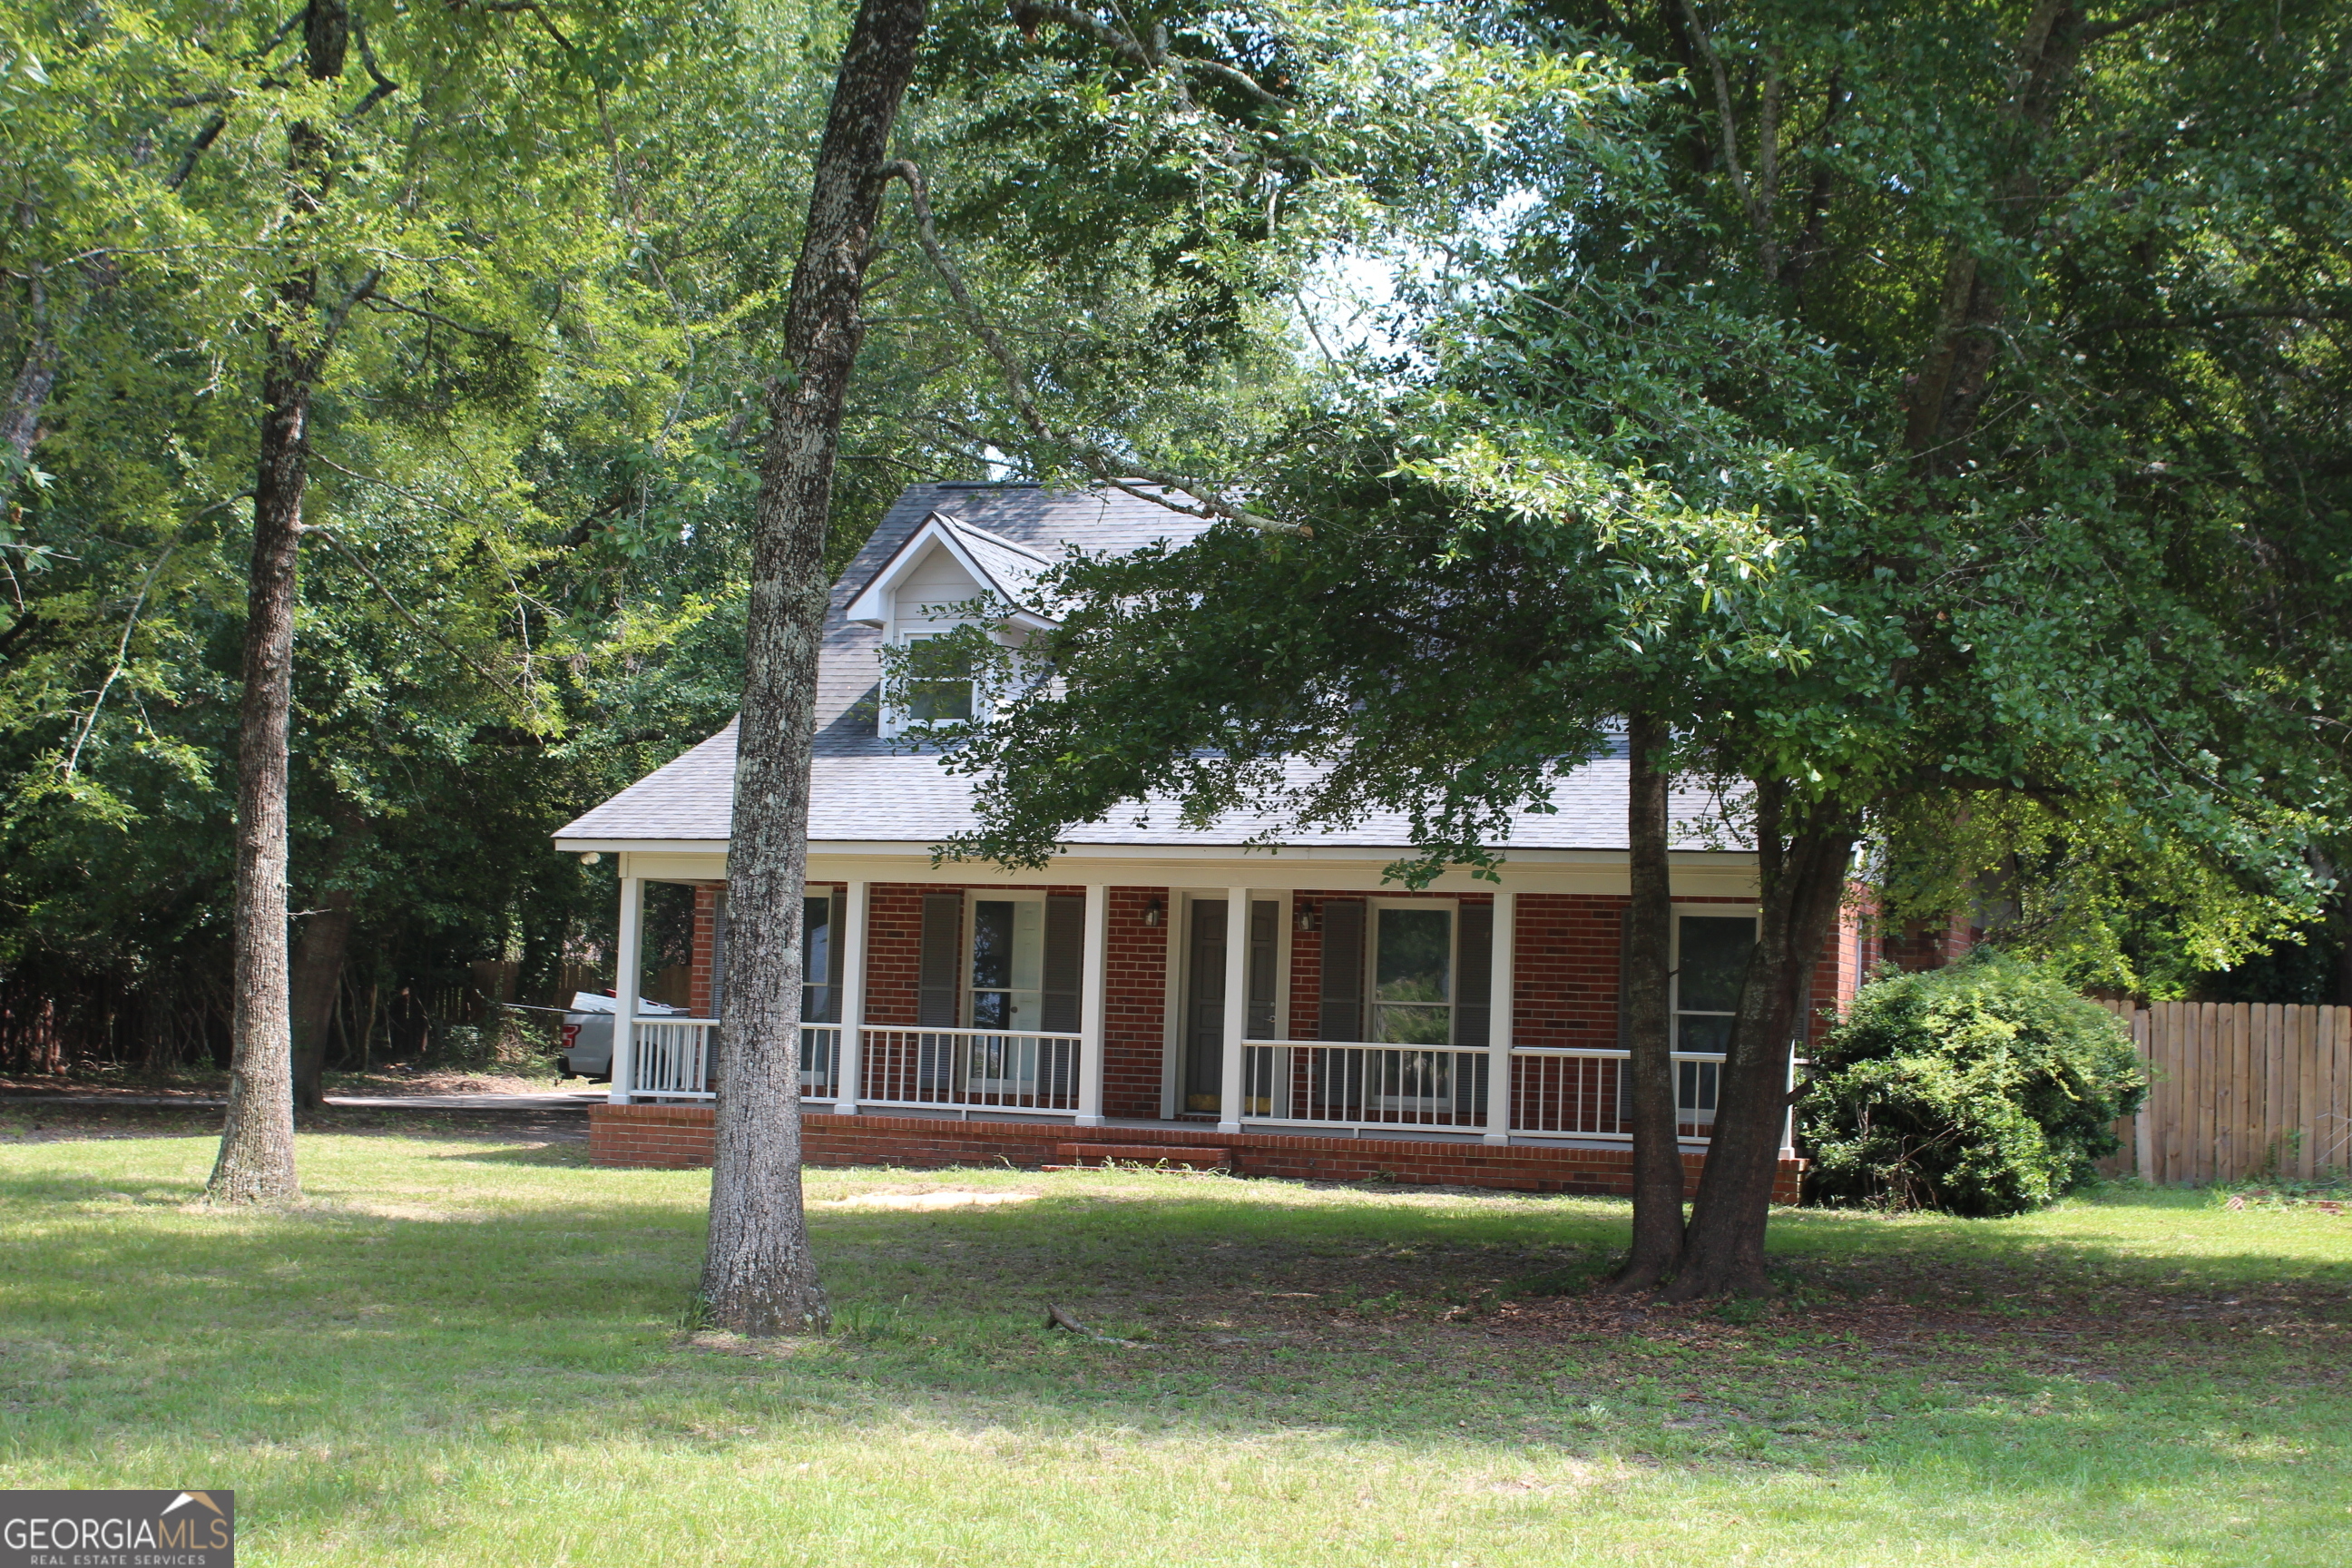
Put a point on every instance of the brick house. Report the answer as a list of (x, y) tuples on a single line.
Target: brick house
[(1159, 991)]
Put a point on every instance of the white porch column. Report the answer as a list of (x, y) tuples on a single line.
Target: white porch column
[(625, 962), (1498, 1020), (1236, 1008), (849, 1060), (1094, 987)]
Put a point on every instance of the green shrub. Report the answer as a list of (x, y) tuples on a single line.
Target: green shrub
[(1985, 1088)]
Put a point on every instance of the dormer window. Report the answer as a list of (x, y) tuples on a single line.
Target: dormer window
[(940, 685), (947, 576)]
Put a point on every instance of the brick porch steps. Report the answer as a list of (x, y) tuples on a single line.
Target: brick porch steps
[(679, 1137)]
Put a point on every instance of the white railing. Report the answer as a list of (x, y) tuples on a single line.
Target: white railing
[(672, 1058), (675, 1060), (1555, 1092), (1584, 1093), (820, 1061), (965, 1068), (1314, 1083)]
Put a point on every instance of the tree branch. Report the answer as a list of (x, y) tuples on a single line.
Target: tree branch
[(1726, 123), (385, 86), (2124, 23), (1104, 464), (1156, 56), (2300, 312), (408, 614)]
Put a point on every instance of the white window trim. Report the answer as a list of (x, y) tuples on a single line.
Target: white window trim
[(1453, 907), (1753, 913)]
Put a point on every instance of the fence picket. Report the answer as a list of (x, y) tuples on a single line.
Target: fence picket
[(2235, 1089)]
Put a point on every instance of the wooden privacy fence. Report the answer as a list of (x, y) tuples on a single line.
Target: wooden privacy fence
[(2239, 1090)]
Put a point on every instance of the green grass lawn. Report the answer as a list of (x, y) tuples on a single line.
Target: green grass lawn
[(460, 1351)]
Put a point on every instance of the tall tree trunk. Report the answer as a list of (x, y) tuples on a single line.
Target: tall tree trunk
[(1804, 883), (317, 985), (257, 1152), (759, 1277), (1649, 937), (28, 394)]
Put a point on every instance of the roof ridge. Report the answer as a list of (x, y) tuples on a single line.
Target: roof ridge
[(991, 536)]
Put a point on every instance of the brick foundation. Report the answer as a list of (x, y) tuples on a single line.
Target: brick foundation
[(679, 1137)]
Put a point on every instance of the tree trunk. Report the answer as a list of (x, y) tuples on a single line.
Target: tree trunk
[(317, 987), (759, 1277), (1649, 937), (28, 394), (257, 1152), (1804, 884)]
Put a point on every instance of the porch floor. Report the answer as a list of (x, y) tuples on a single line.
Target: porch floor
[(680, 1136)]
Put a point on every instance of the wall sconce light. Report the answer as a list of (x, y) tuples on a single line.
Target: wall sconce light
[(590, 857), (1307, 917), (1152, 910)]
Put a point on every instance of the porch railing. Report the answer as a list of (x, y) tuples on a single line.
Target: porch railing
[(1363, 1086), (967, 1068), (1585, 1094), (676, 1059), (1559, 1092)]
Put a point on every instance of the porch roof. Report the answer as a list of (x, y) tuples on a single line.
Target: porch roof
[(911, 799)]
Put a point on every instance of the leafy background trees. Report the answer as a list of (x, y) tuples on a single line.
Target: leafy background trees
[(1667, 292)]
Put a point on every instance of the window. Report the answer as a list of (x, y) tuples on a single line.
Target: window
[(1008, 964), (820, 998), (1710, 968), (939, 680), (1413, 975)]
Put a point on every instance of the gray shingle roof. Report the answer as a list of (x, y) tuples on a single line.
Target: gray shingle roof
[(913, 799), (864, 790)]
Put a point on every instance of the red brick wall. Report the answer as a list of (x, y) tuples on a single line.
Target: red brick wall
[(1136, 1003), (706, 929), (680, 1137), (1564, 979)]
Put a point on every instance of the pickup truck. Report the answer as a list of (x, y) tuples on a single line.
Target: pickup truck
[(587, 1049)]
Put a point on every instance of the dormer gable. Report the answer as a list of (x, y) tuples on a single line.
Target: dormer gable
[(935, 562)]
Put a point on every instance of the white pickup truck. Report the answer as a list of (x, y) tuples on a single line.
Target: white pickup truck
[(587, 1050)]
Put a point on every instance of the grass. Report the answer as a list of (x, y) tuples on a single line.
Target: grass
[(467, 1352)]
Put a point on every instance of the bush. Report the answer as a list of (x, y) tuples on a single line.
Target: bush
[(1985, 1088)]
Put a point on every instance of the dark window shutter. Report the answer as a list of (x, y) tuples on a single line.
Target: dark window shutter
[(1065, 946), (1474, 977), (718, 956), (1265, 969), (938, 1003), (1204, 1021), (1343, 971)]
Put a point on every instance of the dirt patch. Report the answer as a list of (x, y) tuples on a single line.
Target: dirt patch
[(938, 1199), (440, 1080), (36, 1121)]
